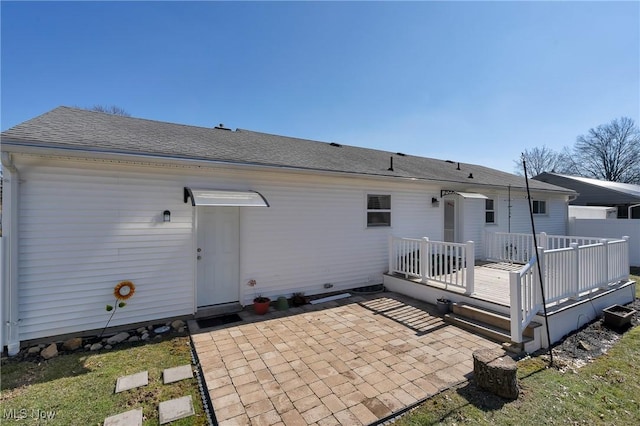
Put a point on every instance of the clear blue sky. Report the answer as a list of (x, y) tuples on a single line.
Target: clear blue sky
[(475, 82)]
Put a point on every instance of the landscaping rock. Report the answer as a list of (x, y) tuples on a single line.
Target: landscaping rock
[(96, 347), (133, 339), (108, 347), (50, 351), (87, 346), (141, 330), (33, 350), (584, 346), (118, 338), (177, 324), (72, 344), (145, 336)]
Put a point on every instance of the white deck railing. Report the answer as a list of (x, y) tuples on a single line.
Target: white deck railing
[(572, 267), (568, 273), (519, 248), (525, 298), (450, 264)]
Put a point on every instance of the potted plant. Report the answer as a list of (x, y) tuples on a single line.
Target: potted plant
[(260, 303), (443, 305)]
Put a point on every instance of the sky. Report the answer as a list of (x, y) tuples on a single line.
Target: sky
[(475, 82)]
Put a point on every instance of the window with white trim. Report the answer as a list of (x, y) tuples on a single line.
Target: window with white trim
[(539, 206), (378, 210), (489, 211)]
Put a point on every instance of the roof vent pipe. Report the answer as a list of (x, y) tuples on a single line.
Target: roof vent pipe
[(391, 164), (458, 168), (470, 176)]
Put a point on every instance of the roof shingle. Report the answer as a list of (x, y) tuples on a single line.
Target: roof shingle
[(81, 130)]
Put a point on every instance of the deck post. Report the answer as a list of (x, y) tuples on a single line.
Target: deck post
[(540, 280), (515, 294), (604, 283), (424, 259), (391, 255), (575, 261), (470, 263), (543, 241)]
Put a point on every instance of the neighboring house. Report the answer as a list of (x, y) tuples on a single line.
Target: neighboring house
[(594, 192), (191, 214)]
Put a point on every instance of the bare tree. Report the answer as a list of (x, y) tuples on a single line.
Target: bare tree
[(610, 152), (541, 160), (113, 109)]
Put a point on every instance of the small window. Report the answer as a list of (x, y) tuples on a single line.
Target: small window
[(539, 207), (378, 210), (489, 211)]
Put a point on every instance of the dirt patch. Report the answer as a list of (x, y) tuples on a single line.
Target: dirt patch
[(589, 342)]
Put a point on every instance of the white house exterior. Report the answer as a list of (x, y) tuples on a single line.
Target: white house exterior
[(85, 195)]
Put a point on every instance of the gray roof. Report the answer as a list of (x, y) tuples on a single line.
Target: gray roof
[(594, 190), (80, 130)]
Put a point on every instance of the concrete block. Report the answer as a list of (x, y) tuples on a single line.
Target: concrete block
[(175, 409), (176, 374), (132, 381)]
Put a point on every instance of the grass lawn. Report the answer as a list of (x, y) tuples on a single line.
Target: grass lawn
[(78, 388), (604, 392)]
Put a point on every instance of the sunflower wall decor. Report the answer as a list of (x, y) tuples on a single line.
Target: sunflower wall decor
[(124, 290)]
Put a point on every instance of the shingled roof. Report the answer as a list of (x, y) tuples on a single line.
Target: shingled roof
[(95, 132)]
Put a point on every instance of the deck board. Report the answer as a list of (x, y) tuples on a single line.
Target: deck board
[(492, 282)]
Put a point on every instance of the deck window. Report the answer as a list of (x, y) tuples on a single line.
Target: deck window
[(378, 210), (489, 211), (539, 207)]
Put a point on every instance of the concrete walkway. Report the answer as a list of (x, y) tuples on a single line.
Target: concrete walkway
[(351, 361)]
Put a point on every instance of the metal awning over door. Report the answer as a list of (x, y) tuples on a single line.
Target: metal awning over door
[(222, 197), (444, 193)]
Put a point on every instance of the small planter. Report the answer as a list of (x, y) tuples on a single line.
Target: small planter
[(618, 316), (444, 306), (261, 305)]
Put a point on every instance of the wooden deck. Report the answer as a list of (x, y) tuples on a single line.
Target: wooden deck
[(492, 281)]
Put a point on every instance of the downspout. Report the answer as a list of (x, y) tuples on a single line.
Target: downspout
[(9, 309), (630, 210)]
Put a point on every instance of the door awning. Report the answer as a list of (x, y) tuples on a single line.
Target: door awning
[(222, 197), (444, 193)]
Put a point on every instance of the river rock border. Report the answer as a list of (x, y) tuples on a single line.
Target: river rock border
[(156, 331)]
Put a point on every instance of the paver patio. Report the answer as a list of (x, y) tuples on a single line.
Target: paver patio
[(352, 361)]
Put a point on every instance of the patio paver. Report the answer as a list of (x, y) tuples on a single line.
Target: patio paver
[(132, 381), (351, 361)]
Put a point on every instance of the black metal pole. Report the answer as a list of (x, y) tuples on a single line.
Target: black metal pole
[(535, 245)]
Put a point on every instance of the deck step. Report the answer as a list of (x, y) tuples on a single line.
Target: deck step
[(489, 317), (495, 333)]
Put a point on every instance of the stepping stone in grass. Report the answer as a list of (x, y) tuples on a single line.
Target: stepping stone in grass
[(129, 418), (175, 409), (133, 381), (176, 374)]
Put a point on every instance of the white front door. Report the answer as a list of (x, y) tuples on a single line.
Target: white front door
[(218, 255)]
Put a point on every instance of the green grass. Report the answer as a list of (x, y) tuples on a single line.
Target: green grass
[(79, 388), (604, 392)]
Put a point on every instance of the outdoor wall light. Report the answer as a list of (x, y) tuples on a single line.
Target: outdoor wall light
[(166, 216), (434, 201)]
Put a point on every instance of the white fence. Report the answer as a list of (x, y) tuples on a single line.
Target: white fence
[(610, 228), (568, 273), (450, 264)]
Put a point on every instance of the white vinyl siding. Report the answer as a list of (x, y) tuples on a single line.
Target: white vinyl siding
[(82, 233), (87, 225)]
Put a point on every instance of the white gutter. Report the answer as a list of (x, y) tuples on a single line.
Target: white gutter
[(9, 333)]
